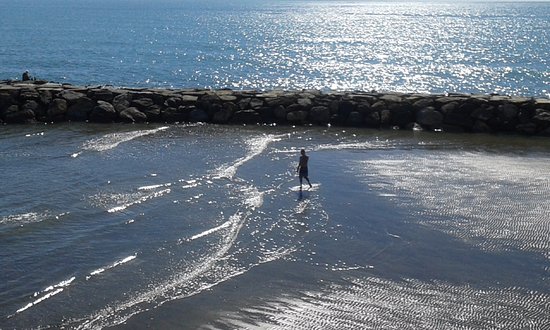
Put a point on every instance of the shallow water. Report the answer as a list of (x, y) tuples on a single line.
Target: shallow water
[(203, 226)]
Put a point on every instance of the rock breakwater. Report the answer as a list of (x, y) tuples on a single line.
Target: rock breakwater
[(31, 102)]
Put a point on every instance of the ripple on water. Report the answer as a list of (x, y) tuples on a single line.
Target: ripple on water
[(495, 202), (376, 303)]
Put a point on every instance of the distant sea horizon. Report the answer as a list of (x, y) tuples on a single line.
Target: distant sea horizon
[(425, 46)]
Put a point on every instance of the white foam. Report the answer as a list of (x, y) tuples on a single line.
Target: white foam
[(28, 218), (253, 198), (34, 134), (352, 145), (123, 310), (112, 140), (52, 291), (211, 230), (305, 187), (255, 147), (39, 300), (155, 186), (23, 218), (138, 200), (302, 206), (113, 265)]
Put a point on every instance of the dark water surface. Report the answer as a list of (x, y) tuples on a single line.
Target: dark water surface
[(202, 226)]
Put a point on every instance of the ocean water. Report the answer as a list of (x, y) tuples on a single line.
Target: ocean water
[(204, 226), (197, 226), (437, 47)]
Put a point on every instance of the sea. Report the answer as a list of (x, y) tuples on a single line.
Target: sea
[(202, 226)]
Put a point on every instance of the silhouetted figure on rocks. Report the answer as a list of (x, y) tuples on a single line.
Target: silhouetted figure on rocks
[(26, 76)]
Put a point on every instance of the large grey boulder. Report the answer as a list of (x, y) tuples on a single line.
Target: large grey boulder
[(379, 106), (224, 114), (57, 109), (189, 99), (148, 107), (484, 113), (527, 128), (423, 103), (429, 118), (320, 114), (101, 94), (355, 118), (103, 112), (345, 108), (132, 115), (385, 117), (267, 114), (173, 102), (542, 104), (122, 101), (507, 113), (179, 114), (6, 99), (372, 119), (16, 115), (143, 103), (31, 105), (391, 98), (402, 114), (305, 103), (81, 109), (297, 117), (481, 127), (46, 96), (280, 112), (542, 117), (70, 96), (153, 113), (246, 117), (198, 115), (256, 103), (455, 116), (29, 94)]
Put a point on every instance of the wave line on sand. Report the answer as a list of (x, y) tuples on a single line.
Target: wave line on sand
[(52, 290), (255, 147), (122, 311), (113, 265), (112, 140)]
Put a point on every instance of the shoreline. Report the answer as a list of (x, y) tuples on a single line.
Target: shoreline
[(39, 101)]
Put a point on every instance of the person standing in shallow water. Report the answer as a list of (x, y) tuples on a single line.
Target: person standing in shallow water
[(302, 168)]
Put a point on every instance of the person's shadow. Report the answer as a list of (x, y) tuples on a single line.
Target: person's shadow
[(302, 194)]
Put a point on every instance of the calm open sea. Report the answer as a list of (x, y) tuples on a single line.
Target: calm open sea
[(204, 226), (473, 47)]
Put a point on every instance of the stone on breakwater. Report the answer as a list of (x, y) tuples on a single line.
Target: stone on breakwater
[(80, 110), (29, 102), (132, 115), (429, 118), (14, 114), (57, 109), (103, 112)]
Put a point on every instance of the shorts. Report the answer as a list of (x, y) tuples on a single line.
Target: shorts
[(303, 172)]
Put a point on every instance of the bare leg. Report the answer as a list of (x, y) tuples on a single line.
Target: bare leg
[(307, 182)]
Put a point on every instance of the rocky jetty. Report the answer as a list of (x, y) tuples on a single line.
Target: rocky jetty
[(36, 101)]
